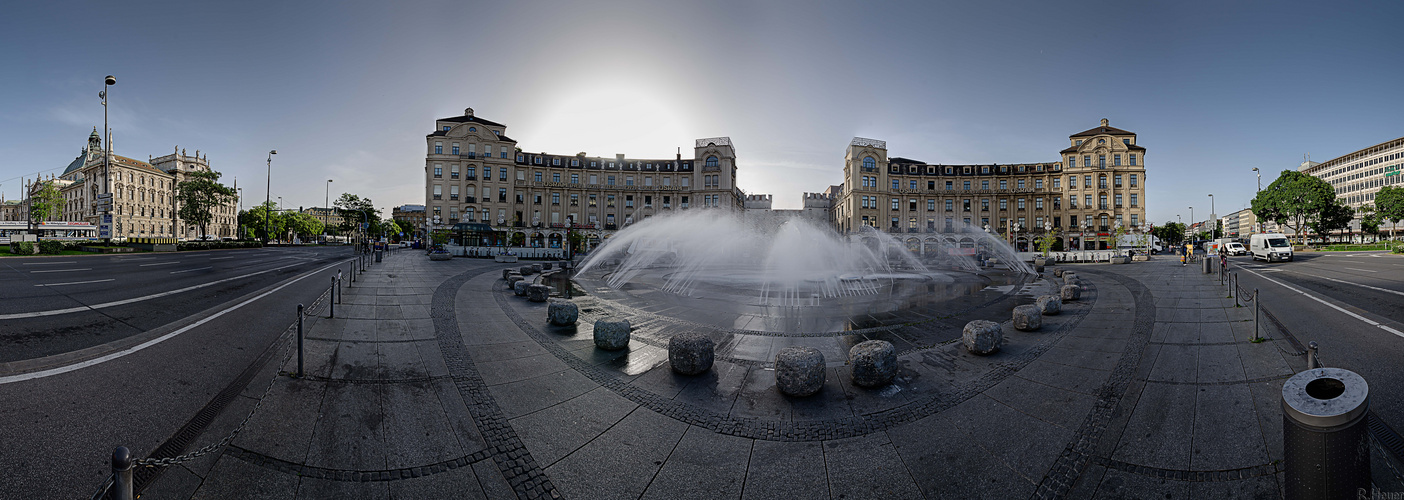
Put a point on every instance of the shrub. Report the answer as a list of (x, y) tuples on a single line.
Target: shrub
[(23, 248), (50, 247)]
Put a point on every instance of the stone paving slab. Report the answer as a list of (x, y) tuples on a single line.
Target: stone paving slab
[(440, 383)]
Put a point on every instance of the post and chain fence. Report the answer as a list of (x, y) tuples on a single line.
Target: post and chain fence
[(120, 485)]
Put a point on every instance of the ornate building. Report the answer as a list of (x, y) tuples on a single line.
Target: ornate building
[(1098, 185), (144, 203), (475, 173)]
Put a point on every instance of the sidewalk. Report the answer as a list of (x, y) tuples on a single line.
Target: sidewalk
[(435, 382)]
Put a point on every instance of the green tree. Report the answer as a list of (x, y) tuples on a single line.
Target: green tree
[(199, 195), (301, 224), (1370, 221), (45, 204), (254, 220), (1170, 233), (1335, 216), (355, 210), (1389, 204), (1295, 200)]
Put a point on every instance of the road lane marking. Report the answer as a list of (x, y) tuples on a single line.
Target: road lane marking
[(1358, 269), (160, 263), (111, 356), (1367, 321), (1396, 292), (55, 312), (49, 263), (188, 270), (76, 282), (221, 258), (62, 270)]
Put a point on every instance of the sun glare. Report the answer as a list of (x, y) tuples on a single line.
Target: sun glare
[(634, 119)]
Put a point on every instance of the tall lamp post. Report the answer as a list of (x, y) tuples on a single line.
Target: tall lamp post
[(268, 199), (1213, 216), (1260, 188), (1191, 209), (326, 204), (106, 153), (241, 210)]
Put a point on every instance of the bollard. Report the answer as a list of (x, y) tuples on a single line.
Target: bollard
[(299, 341), (1313, 361), (121, 474), (1256, 331), (1325, 438), (338, 286), (331, 304)]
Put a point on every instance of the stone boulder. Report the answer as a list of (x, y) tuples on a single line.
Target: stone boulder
[(799, 371), (612, 335), (1028, 318), (1059, 272), (561, 312), (1050, 305), (982, 337), (1070, 293), (546, 266), (691, 353), (1038, 268), (536, 268), (538, 293), (520, 287), (526, 270), (874, 363), (507, 272), (513, 279), (1070, 278)]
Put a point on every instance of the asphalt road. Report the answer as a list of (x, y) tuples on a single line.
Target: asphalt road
[(1333, 299), (93, 300), (58, 431)]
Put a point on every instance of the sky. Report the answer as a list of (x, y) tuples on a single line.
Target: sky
[(347, 90)]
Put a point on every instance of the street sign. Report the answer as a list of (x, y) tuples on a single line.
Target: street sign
[(104, 207), (104, 196), (105, 226)]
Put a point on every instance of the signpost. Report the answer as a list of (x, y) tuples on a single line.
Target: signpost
[(105, 227)]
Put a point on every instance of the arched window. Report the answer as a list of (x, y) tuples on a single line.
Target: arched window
[(711, 161), (869, 163)]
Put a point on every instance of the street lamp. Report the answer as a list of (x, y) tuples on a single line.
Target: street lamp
[(1260, 178), (268, 199), (241, 210), (1191, 218), (1212, 215), (326, 204), (106, 152)]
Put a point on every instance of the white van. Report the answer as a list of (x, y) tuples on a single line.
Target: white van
[(1270, 247)]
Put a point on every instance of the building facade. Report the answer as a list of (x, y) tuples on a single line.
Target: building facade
[(475, 173), (1097, 185), (1358, 176), (143, 194), (412, 215)]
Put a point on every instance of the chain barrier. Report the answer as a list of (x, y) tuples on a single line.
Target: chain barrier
[(284, 337)]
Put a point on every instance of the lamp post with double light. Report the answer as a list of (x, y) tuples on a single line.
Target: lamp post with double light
[(108, 81), (326, 205), (268, 200)]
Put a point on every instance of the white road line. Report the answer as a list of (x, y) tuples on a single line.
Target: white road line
[(1367, 321), (1386, 290), (220, 258), (102, 359), (62, 270), (55, 312), (1358, 269), (76, 282), (188, 270), (48, 263), (160, 263)]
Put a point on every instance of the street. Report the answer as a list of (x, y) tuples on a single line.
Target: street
[(1349, 304), (60, 428)]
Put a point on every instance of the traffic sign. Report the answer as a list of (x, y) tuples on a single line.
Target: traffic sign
[(104, 207), (104, 196)]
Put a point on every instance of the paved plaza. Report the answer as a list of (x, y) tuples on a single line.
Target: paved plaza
[(434, 380)]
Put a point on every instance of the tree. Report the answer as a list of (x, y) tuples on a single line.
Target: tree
[(1295, 200), (302, 224), (1370, 221), (45, 204), (355, 210), (255, 218), (198, 196), (1170, 233), (1389, 204), (1335, 216)]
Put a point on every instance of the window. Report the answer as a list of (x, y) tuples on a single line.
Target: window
[(950, 205), (472, 172), (594, 179), (930, 205), (1118, 200), (1087, 181), (521, 175), (684, 181), (1116, 180), (438, 192), (648, 181), (1038, 183), (575, 178), (965, 205), (555, 198), (1102, 202), (453, 192), (536, 176), (1135, 219), (1004, 184), (1020, 183), (628, 180), (1087, 160), (1020, 204), (592, 201), (1038, 203), (609, 201), (1133, 200), (712, 161), (1056, 181), (949, 186), (629, 201), (574, 200), (1101, 161), (1102, 181), (1133, 160), (555, 177), (455, 148), (1088, 199), (1116, 160), (931, 185), (1058, 203), (502, 194), (967, 185), (984, 204), (896, 184), (1133, 179), (912, 204), (446, 128), (438, 170), (487, 172), (869, 163), (1079, 142), (1072, 161), (985, 185), (438, 148), (609, 180), (894, 204), (913, 184), (502, 173), (1004, 204)]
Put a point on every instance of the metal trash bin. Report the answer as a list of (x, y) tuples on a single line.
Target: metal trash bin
[(1208, 264), (1324, 434), (379, 254)]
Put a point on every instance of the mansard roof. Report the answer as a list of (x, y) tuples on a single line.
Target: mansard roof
[(1108, 130)]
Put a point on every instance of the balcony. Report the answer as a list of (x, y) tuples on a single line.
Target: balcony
[(1102, 206), (438, 197), (453, 176), (470, 199), (453, 197), (471, 177)]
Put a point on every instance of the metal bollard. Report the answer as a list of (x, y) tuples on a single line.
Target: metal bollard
[(331, 302), (1324, 434), (299, 341), (1256, 331), (121, 474), (1313, 361)]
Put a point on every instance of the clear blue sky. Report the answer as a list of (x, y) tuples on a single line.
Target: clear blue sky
[(346, 91)]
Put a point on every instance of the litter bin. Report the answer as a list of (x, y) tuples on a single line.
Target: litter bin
[(1324, 434), (378, 254), (1208, 264)]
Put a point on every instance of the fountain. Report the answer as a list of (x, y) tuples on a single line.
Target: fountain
[(768, 272)]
